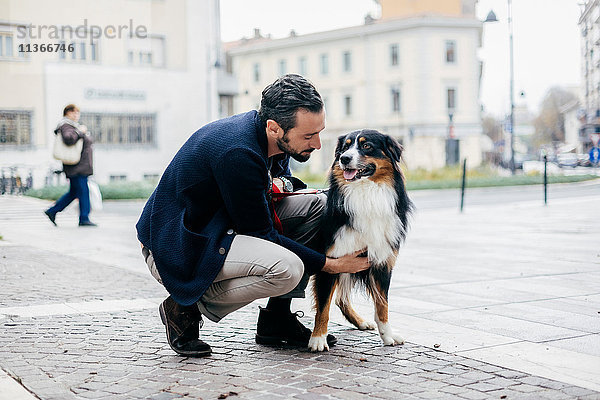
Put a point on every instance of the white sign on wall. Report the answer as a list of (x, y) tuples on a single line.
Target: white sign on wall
[(114, 94)]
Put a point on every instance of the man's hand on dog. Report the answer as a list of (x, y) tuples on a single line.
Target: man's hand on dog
[(349, 263)]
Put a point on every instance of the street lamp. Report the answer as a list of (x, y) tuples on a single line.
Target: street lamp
[(491, 17)]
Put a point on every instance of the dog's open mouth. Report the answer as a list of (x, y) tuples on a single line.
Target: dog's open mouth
[(351, 175)]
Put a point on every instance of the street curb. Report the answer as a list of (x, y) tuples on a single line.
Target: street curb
[(12, 389)]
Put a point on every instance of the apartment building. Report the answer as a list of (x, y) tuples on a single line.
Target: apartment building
[(589, 23), (414, 74), (144, 73)]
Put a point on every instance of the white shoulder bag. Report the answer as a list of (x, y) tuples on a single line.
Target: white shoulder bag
[(69, 155)]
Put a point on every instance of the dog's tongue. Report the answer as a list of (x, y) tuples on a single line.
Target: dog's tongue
[(349, 174)]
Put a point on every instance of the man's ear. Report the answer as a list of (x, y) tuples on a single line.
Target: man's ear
[(393, 148), (273, 128), (340, 144)]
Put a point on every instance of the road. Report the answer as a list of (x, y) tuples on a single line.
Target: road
[(449, 198)]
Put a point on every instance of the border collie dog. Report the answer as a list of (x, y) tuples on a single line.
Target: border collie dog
[(367, 208)]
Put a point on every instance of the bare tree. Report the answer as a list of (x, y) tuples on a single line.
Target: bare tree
[(492, 128), (550, 123)]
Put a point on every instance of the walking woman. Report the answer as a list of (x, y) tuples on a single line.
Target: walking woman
[(71, 132)]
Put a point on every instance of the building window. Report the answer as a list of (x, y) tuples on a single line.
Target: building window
[(15, 127), (74, 49), (94, 50), (79, 51), (347, 105), (145, 58), (225, 106), (148, 52), (395, 97), (324, 61), (450, 51), (108, 128), (394, 55), (256, 72), (347, 61), (302, 68), (82, 51), (451, 99), (282, 67), (62, 54), (6, 45), (10, 42)]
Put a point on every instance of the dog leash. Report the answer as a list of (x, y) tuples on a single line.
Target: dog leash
[(280, 195), (276, 196)]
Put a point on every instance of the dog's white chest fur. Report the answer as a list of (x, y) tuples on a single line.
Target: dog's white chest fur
[(374, 221)]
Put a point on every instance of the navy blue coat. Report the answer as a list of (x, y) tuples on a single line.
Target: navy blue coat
[(215, 186)]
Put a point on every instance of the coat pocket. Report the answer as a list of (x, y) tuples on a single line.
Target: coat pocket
[(177, 250)]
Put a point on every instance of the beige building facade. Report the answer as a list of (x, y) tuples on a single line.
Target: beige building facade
[(144, 73), (409, 8), (415, 78)]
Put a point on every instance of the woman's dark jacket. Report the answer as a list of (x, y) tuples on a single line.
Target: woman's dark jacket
[(71, 135), (215, 187)]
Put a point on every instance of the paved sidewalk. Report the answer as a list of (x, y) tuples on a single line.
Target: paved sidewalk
[(500, 302)]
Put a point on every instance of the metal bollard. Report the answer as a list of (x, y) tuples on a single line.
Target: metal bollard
[(464, 179), (545, 180)]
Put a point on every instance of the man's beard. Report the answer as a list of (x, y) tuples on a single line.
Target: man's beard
[(302, 156)]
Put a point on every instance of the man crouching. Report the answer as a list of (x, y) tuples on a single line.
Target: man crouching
[(212, 236)]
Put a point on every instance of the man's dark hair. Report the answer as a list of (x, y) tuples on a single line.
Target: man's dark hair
[(281, 100), (69, 108)]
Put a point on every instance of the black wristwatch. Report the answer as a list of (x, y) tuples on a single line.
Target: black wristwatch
[(287, 184)]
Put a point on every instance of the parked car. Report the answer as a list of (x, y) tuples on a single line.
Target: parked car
[(583, 160), (567, 160)]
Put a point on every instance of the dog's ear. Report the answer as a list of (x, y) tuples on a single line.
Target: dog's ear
[(340, 144), (393, 149)]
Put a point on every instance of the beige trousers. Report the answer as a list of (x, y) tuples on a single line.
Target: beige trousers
[(255, 268)]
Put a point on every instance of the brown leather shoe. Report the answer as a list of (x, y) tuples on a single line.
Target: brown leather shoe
[(183, 328)]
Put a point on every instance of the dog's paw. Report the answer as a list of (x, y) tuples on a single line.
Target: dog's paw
[(367, 325), (318, 343), (392, 339)]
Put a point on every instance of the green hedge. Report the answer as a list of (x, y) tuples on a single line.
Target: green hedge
[(111, 191)]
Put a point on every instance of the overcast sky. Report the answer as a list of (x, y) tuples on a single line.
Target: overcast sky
[(546, 39)]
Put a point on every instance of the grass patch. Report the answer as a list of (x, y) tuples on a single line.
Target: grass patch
[(451, 178), (496, 181), (448, 173), (110, 191), (445, 178)]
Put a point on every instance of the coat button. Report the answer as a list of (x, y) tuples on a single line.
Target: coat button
[(230, 232), (221, 251)]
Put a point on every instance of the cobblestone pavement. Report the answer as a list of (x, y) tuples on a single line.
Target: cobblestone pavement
[(121, 353)]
